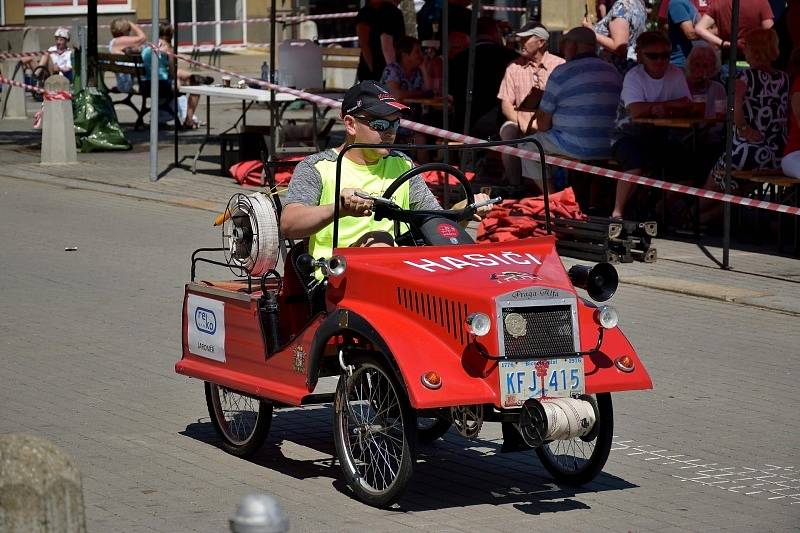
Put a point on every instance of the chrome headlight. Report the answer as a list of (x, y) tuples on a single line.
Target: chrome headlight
[(606, 316), (478, 324)]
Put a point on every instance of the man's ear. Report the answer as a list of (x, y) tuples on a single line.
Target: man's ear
[(350, 125)]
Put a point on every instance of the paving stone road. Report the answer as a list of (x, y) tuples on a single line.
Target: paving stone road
[(90, 338)]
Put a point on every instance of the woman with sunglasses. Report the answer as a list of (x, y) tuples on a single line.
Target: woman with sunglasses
[(370, 115), (654, 88)]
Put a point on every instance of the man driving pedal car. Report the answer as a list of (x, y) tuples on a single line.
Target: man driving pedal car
[(370, 115)]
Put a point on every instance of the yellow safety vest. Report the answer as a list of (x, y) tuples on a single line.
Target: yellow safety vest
[(374, 179)]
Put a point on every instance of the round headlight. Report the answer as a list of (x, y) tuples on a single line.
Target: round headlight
[(607, 316), (478, 324)]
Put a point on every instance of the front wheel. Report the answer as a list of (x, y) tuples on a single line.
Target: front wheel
[(242, 422), (374, 433), (577, 461)]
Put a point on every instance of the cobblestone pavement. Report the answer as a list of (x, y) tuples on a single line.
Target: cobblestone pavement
[(90, 338)]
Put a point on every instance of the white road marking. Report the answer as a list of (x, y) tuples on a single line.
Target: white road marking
[(770, 480)]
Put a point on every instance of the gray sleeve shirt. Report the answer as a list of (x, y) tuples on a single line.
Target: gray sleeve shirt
[(305, 186)]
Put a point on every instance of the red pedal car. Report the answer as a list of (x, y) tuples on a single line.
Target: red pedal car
[(437, 333)]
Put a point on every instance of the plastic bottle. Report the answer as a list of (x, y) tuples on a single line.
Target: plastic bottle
[(265, 71)]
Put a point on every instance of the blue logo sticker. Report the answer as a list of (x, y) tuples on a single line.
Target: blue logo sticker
[(205, 320)]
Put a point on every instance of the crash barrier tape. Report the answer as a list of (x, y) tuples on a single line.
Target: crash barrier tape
[(22, 55), (505, 8), (6, 81), (518, 152), (240, 46), (294, 18)]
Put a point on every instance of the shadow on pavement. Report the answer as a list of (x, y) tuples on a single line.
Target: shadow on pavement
[(452, 472)]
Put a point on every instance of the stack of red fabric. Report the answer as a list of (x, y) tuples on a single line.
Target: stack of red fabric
[(517, 219)]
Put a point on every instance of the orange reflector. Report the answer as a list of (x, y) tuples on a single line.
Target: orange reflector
[(625, 363), (431, 379)]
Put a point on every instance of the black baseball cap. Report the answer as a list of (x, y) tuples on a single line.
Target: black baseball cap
[(370, 98)]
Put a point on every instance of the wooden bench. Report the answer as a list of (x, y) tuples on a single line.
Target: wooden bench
[(132, 65), (773, 184), (337, 57)]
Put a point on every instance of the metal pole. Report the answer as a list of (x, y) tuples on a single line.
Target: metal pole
[(175, 88), (473, 34), (444, 24), (84, 56), (273, 142), (91, 42), (726, 209), (154, 95)]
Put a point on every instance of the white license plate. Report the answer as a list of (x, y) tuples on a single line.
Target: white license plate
[(559, 377)]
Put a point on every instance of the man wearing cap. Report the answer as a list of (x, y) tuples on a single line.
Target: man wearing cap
[(521, 90), (370, 115), (579, 105), (59, 57)]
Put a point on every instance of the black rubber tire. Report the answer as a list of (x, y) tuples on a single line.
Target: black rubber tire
[(583, 470), (358, 476), (430, 432), (255, 433)]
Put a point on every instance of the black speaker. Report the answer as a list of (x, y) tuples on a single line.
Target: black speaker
[(600, 280)]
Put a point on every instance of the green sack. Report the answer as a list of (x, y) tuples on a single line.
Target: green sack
[(96, 124)]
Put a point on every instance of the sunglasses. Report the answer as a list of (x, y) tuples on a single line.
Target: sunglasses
[(654, 56), (380, 124)]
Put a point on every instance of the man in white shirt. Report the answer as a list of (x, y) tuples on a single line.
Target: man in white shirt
[(655, 88), (59, 57)]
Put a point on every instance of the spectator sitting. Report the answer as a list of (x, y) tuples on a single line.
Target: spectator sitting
[(753, 15), (524, 83), (702, 66), (579, 104), (682, 15), (760, 111), (618, 32), (491, 60), (166, 66), (127, 37), (59, 58), (655, 88), (406, 78), (409, 78), (379, 24), (791, 159)]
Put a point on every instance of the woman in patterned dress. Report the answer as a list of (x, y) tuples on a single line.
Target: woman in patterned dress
[(617, 33), (760, 110)]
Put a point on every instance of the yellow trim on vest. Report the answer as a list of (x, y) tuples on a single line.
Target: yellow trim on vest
[(374, 179)]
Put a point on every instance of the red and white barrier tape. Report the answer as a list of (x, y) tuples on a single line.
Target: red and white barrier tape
[(505, 8), (22, 55), (294, 18), (337, 40), (14, 83)]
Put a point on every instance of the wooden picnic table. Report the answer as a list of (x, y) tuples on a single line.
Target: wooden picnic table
[(432, 101), (679, 122)]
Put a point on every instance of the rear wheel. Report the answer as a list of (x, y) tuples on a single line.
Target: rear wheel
[(430, 429), (578, 461), (242, 422), (374, 432)]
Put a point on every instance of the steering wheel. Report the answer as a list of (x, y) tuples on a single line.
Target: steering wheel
[(447, 169)]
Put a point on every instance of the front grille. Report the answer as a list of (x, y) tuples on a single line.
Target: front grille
[(547, 331)]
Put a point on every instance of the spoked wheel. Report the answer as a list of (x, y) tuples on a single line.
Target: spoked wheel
[(430, 429), (374, 432), (242, 422), (577, 461)]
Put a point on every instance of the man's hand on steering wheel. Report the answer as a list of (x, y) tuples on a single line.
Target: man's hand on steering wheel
[(351, 205), (483, 210)]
